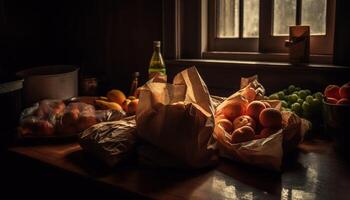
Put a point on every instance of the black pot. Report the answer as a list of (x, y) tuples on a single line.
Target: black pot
[(10, 95)]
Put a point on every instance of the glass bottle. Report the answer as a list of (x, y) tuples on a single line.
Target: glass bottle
[(134, 84), (156, 65)]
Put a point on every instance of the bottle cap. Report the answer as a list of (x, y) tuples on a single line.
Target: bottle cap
[(136, 74), (156, 43)]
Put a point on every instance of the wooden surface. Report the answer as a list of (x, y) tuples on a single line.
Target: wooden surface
[(316, 172)]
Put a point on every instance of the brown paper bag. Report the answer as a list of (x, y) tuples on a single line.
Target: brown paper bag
[(178, 118), (265, 152)]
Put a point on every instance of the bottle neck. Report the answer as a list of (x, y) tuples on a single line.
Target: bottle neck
[(156, 49)]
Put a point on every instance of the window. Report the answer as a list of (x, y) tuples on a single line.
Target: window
[(263, 25)]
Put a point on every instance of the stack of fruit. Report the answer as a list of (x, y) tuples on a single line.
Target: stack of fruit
[(116, 100), (245, 122), (338, 95), (300, 101)]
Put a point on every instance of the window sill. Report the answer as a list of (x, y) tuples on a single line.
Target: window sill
[(270, 57), (257, 65)]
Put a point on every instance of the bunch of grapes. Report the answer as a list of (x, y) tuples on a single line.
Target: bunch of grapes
[(300, 101)]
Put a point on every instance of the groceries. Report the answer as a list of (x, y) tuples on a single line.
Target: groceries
[(55, 118), (178, 119), (302, 102), (116, 100), (111, 142), (256, 131)]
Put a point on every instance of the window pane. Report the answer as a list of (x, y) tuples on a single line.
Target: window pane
[(251, 18), (284, 15), (314, 14), (227, 18)]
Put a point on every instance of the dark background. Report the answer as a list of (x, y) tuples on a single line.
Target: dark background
[(111, 39)]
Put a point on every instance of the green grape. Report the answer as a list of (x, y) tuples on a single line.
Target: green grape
[(297, 88), (306, 107), (308, 92), (285, 91), (293, 98), (291, 89), (284, 104), (273, 97), (280, 95), (318, 95), (309, 99), (296, 107), (300, 101), (302, 94)]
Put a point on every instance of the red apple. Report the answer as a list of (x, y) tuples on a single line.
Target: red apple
[(332, 91), (331, 100), (344, 91), (344, 101)]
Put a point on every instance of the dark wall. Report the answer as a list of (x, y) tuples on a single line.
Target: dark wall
[(109, 38), (342, 34)]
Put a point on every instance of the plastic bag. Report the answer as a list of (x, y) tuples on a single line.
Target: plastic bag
[(178, 118), (110, 142), (265, 152), (53, 117)]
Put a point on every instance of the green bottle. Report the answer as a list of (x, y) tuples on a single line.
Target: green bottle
[(156, 65)]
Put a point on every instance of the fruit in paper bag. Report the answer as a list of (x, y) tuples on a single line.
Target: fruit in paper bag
[(226, 124), (267, 104), (266, 132), (219, 117), (243, 134), (234, 109), (254, 109), (332, 91), (116, 96), (244, 120), (271, 118), (249, 93)]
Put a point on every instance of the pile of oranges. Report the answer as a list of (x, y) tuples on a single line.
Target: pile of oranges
[(245, 121), (116, 100)]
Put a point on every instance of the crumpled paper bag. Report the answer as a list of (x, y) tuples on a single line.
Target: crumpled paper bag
[(178, 118), (111, 142), (265, 152)]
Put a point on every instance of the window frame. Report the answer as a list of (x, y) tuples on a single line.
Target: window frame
[(267, 42), (228, 44)]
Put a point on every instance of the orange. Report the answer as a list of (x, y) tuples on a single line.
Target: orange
[(125, 104), (132, 107), (267, 104), (244, 120), (243, 134), (226, 124), (271, 118), (254, 109), (266, 132), (116, 96), (233, 110)]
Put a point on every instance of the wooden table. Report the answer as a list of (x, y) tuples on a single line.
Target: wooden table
[(316, 172)]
